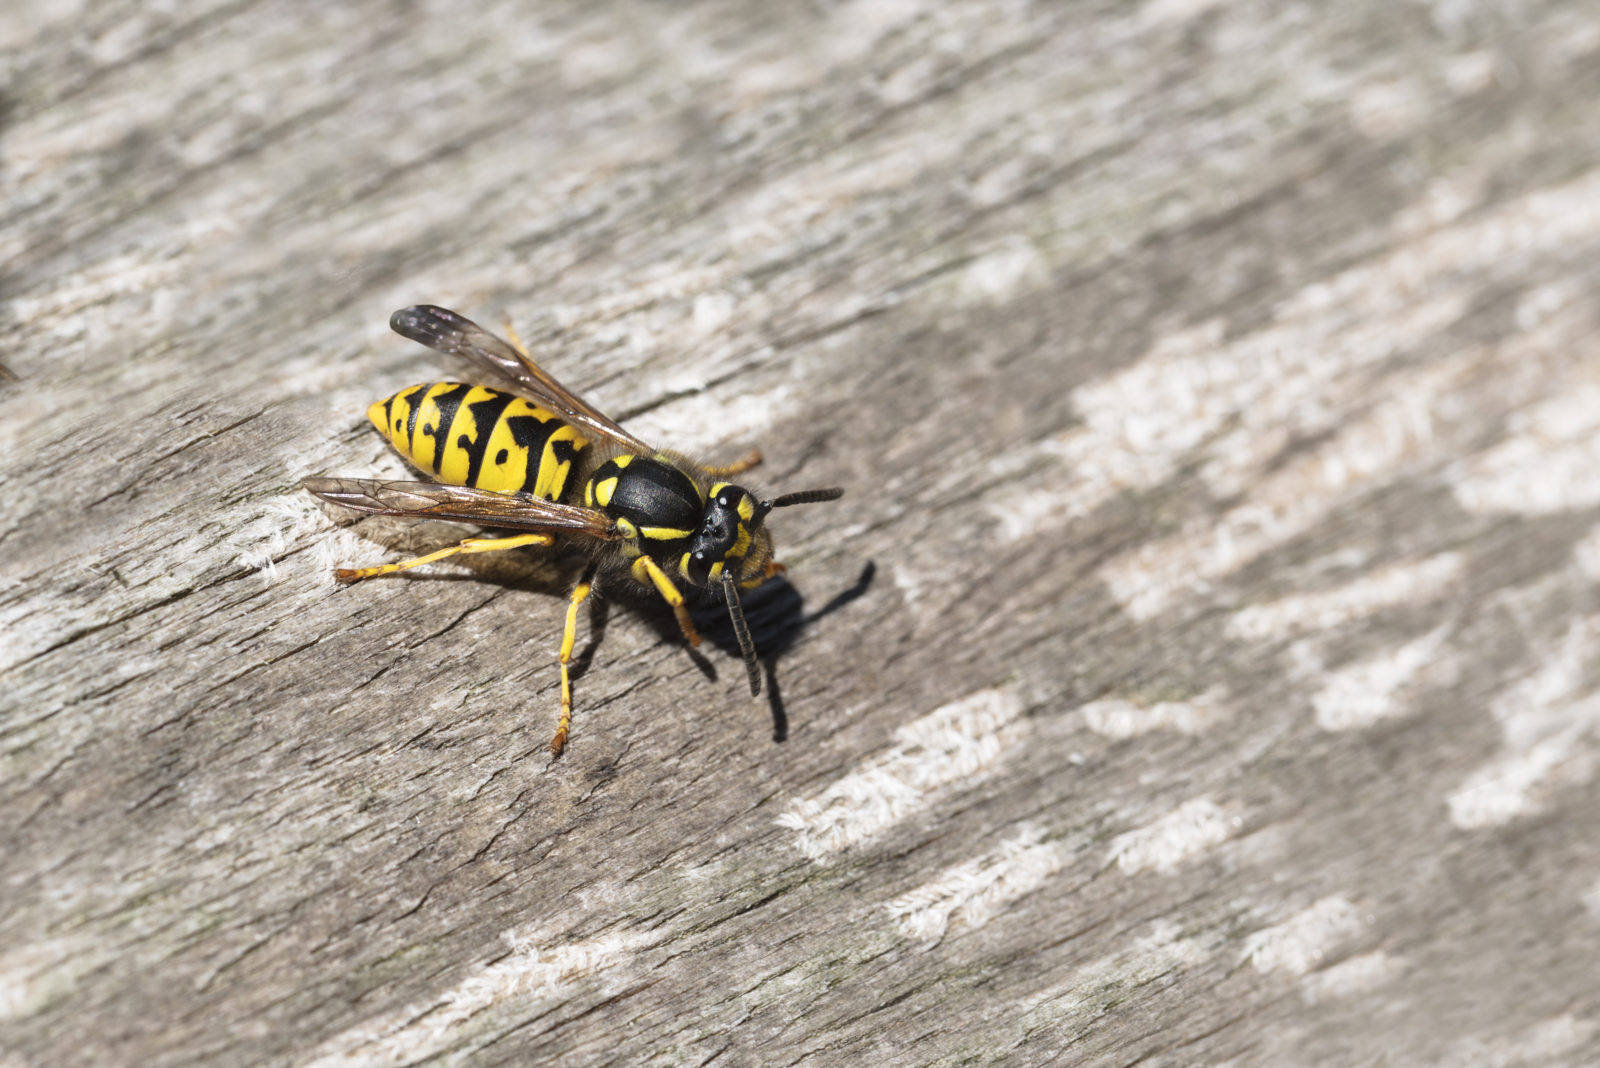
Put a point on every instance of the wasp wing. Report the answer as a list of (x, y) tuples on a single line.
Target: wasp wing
[(455, 335), (431, 500)]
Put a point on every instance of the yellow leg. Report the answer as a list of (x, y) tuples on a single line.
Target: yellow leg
[(568, 638), (646, 570), (470, 545), (745, 463)]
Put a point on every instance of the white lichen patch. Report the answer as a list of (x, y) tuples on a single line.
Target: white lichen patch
[(1364, 693), (1003, 274), (707, 419), (1549, 461), (1517, 783), (1591, 900), (1301, 943), (955, 743), (1348, 978), (1409, 582), (971, 894), (1118, 718), (530, 973), (1236, 403), (1284, 504), (32, 976), (1586, 556), (1552, 736), (1093, 987), (1193, 828), (282, 523), (1560, 1040)]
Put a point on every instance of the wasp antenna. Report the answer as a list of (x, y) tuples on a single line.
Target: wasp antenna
[(747, 648), (804, 497)]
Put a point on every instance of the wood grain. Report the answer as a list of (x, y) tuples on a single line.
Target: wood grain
[(1202, 666)]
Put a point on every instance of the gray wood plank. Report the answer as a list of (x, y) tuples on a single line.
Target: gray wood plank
[(1201, 668)]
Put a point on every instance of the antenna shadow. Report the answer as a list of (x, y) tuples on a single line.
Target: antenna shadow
[(775, 613)]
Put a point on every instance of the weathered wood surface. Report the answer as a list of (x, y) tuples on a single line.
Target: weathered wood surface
[(1216, 387)]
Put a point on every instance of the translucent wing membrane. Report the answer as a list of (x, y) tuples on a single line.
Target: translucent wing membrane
[(430, 500), (455, 335)]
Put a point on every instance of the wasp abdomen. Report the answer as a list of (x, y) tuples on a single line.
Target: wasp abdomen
[(466, 435)]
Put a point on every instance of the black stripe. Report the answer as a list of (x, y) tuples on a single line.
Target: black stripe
[(388, 418), (531, 434), (411, 419), (568, 452), (487, 413), (449, 402)]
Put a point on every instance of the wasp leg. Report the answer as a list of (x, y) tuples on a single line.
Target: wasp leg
[(744, 463), (515, 339), (646, 570), (568, 637), (470, 545)]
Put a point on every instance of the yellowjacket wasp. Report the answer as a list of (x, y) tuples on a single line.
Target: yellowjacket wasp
[(538, 460)]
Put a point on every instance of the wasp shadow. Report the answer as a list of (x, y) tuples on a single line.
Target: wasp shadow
[(775, 613), (545, 571)]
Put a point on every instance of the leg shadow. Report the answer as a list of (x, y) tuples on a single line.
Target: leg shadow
[(775, 613)]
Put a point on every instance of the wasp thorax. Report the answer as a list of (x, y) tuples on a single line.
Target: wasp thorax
[(649, 493)]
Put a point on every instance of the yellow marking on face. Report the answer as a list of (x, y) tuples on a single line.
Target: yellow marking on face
[(716, 571), (741, 544), (718, 487), (603, 491), (664, 533), (747, 508), (683, 565)]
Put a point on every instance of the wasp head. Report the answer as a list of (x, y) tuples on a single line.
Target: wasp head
[(733, 549), (732, 539)]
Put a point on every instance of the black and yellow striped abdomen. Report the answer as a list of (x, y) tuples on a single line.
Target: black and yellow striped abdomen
[(466, 435)]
